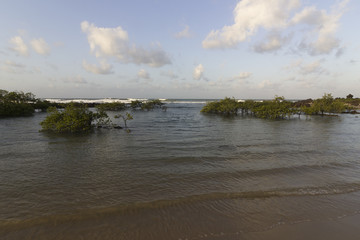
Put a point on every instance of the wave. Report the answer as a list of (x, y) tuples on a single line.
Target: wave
[(89, 100), (126, 100)]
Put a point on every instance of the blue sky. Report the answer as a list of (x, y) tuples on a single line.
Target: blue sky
[(180, 49)]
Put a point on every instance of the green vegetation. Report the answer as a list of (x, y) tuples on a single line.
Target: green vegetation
[(125, 117), (150, 105), (326, 104), (146, 105), (18, 104), (227, 106), (279, 108), (72, 119), (135, 104), (76, 118)]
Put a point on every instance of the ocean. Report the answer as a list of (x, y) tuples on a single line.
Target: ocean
[(179, 174)]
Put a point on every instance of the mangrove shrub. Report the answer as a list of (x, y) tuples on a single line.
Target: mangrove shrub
[(326, 104), (278, 108), (227, 106), (74, 118), (16, 104)]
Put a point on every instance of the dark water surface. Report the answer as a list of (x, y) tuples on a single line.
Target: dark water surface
[(178, 175)]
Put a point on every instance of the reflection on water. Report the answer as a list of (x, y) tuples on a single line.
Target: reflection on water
[(178, 175)]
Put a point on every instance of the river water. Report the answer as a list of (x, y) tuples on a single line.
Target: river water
[(179, 174)]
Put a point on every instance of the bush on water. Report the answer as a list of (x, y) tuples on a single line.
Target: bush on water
[(279, 108), (19, 104)]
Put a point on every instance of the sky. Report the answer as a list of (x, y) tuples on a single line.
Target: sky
[(246, 49)]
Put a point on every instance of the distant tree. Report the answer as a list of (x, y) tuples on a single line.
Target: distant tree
[(43, 105), (151, 104), (350, 96), (326, 104), (113, 106), (147, 105), (323, 104), (136, 104), (3, 93)]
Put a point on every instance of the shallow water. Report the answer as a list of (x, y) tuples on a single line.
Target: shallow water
[(179, 174)]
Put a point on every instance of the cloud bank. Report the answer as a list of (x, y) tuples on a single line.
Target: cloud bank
[(276, 17), (19, 46), (185, 33), (306, 68), (143, 74), (249, 16), (114, 42), (198, 72), (104, 68), (323, 27), (40, 46)]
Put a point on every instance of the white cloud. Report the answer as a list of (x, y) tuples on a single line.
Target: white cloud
[(19, 46), (249, 16), (322, 38), (104, 68), (266, 84), (114, 42), (198, 72), (314, 67), (278, 17), (241, 76), (75, 80), (40, 46), (14, 64), (273, 42), (105, 41), (308, 83), (185, 33), (143, 74), (18, 68), (13, 67), (231, 83), (307, 69), (244, 75)]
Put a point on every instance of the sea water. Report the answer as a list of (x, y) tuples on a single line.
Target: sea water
[(179, 174)]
